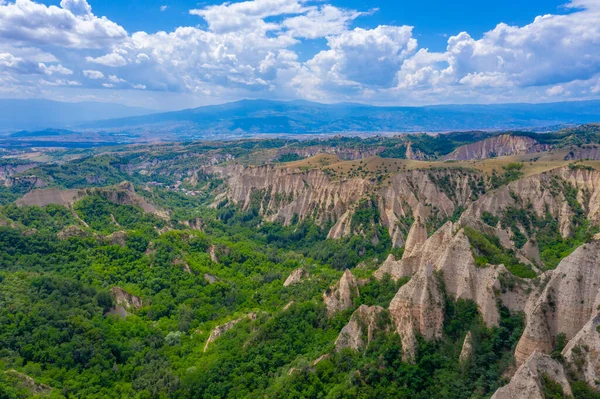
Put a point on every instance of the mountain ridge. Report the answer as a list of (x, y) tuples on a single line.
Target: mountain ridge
[(269, 116)]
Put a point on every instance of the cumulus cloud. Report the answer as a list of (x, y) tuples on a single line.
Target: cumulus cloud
[(111, 60), (55, 69), (369, 57), (321, 22), (74, 26), (246, 15), (77, 7), (19, 65), (116, 79), (94, 75), (250, 49)]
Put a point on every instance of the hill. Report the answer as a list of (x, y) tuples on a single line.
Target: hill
[(249, 117)]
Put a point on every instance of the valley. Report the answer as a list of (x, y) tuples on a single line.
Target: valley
[(459, 265)]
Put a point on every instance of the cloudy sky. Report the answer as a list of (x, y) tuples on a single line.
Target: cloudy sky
[(166, 55)]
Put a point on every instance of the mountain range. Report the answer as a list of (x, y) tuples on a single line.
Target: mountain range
[(251, 117)]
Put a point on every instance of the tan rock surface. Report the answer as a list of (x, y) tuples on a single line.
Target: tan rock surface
[(467, 348), (417, 236), (223, 328), (295, 277), (563, 305), (583, 352), (125, 299), (341, 295), (286, 193), (361, 329), (418, 307), (497, 146), (527, 381)]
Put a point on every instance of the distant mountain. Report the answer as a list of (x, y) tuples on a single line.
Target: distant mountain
[(301, 117), (39, 114)]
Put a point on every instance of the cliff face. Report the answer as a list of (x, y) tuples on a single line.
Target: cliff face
[(442, 267), (122, 194), (564, 304), (444, 262), (125, 299), (591, 152), (281, 194), (542, 193), (527, 383), (497, 146), (583, 352), (361, 329), (340, 296), (418, 307), (344, 153)]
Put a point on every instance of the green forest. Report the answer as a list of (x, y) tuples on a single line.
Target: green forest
[(102, 298)]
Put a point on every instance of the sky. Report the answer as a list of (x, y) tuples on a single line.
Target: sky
[(167, 54)]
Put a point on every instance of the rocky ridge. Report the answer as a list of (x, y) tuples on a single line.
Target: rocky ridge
[(365, 322), (527, 383), (341, 295), (282, 194), (568, 297), (497, 146)]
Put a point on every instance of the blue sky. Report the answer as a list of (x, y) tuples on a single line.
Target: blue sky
[(173, 54), (434, 20)]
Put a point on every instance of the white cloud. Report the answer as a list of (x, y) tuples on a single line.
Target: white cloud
[(111, 60), (77, 7), (94, 75), (321, 22), (25, 21), (19, 65), (250, 49), (55, 69), (555, 90), (116, 79), (59, 82), (247, 15), (164, 8), (365, 57)]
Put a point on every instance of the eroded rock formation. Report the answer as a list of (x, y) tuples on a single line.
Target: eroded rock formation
[(528, 381), (223, 328), (467, 348), (365, 322), (418, 307), (568, 297), (341, 295), (583, 352), (497, 146), (126, 299), (284, 194), (295, 277)]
